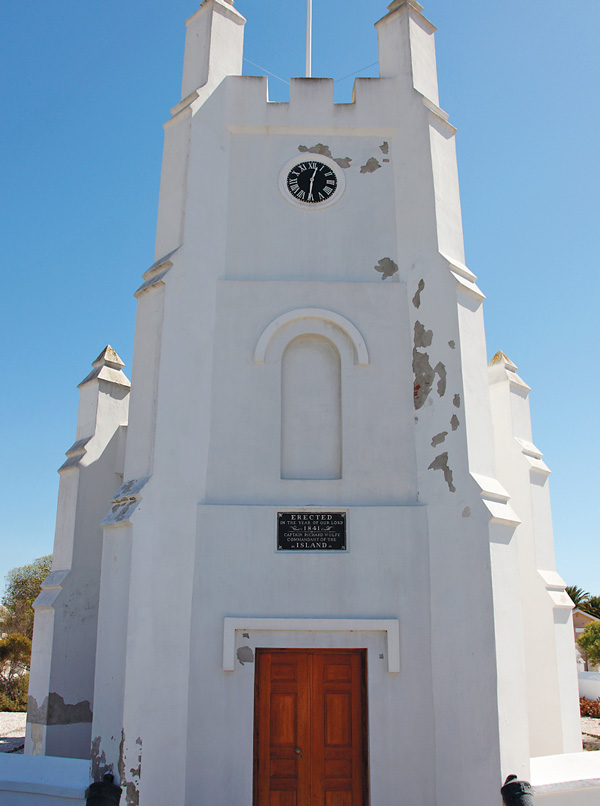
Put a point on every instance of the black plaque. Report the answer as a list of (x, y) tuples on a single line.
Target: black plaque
[(311, 531)]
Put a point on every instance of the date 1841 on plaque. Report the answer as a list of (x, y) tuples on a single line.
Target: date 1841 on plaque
[(311, 531)]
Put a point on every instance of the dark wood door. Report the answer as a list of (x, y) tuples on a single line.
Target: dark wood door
[(310, 719)]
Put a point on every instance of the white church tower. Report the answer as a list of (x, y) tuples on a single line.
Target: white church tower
[(327, 574)]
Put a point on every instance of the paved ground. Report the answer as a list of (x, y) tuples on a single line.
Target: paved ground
[(590, 730), (12, 732)]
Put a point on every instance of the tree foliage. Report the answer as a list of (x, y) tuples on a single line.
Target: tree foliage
[(15, 655), (578, 595), (591, 606), (22, 587), (589, 641)]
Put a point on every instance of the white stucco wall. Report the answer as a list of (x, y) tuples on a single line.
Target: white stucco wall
[(589, 685), (434, 541)]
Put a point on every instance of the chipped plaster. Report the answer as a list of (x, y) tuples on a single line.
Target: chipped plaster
[(416, 300), (55, 711), (245, 655), (370, 166), (387, 267), (325, 151), (441, 463)]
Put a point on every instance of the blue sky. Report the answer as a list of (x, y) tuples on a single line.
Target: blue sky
[(86, 87)]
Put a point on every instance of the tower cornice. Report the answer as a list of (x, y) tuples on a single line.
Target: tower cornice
[(411, 6)]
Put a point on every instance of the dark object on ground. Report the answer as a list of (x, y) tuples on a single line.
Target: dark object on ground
[(103, 793), (517, 793)]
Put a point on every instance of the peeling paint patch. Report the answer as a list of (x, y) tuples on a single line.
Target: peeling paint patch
[(416, 300), (452, 344), (454, 422), (99, 765), (440, 371), (325, 151), (55, 711), (423, 338), (370, 166), (320, 148), (424, 373), (387, 267), (132, 793), (466, 513), (441, 463), (385, 160), (245, 655), (130, 782), (121, 763), (385, 147), (36, 714), (37, 738), (438, 439), (456, 401), (423, 377), (245, 635)]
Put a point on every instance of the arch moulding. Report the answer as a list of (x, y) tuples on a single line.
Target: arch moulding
[(360, 348)]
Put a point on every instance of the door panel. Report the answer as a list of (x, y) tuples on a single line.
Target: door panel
[(310, 728)]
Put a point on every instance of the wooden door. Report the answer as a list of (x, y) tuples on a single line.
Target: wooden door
[(310, 745)]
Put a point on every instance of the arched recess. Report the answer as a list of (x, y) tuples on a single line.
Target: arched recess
[(361, 354), (311, 409)]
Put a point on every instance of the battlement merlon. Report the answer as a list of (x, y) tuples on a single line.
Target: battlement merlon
[(407, 47), (215, 43), (214, 46)]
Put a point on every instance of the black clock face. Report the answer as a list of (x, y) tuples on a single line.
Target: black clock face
[(312, 182)]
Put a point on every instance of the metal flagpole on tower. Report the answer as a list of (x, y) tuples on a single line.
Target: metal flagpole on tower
[(308, 38)]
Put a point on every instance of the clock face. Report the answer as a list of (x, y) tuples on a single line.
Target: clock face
[(312, 182)]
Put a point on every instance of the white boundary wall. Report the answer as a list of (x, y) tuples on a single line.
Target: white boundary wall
[(571, 779), (589, 685), (43, 780)]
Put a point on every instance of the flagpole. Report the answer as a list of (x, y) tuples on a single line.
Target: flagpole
[(308, 38)]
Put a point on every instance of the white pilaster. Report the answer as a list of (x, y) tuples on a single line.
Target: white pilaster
[(64, 642)]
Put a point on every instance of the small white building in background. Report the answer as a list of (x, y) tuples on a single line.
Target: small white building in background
[(308, 554)]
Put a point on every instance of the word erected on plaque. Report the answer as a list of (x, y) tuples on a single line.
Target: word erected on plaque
[(311, 531)]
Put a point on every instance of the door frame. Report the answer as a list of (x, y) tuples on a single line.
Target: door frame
[(362, 652)]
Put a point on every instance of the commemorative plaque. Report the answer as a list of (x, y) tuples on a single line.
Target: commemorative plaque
[(311, 531)]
